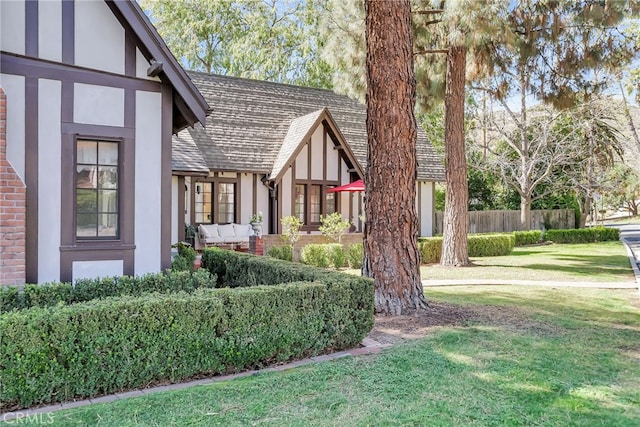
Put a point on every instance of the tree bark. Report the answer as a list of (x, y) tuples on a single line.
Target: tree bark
[(391, 231), (455, 226)]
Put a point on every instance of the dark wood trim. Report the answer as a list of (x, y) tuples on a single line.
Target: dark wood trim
[(31, 177), (100, 131), (68, 32), (343, 148), (181, 222), (192, 199), (254, 201), (31, 28), (165, 183), (277, 199), (309, 148), (324, 154), (40, 68)]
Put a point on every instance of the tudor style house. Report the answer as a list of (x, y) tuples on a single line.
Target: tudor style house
[(278, 149), (93, 96)]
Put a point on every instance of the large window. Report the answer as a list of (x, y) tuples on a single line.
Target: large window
[(311, 201), (214, 202), (97, 190)]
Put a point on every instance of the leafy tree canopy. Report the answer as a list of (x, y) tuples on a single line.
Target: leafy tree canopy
[(275, 40)]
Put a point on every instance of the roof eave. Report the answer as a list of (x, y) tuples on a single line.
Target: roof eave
[(148, 35)]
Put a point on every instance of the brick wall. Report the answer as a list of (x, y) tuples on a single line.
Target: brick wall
[(306, 239), (12, 212)]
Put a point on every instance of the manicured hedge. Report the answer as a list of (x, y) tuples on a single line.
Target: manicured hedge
[(430, 249), (479, 245), (353, 294), (326, 255), (58, 353), (87, 289), (530, 237), (583, 235)]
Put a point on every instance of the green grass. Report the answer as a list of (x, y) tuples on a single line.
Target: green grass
[(589, 262), (537, 356)]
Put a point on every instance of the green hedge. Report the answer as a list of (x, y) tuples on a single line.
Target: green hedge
[(324, 255), (479, 245), (583, 235), (430, 249), (354, 293), (530, 237), (87, 289), (59, 353)]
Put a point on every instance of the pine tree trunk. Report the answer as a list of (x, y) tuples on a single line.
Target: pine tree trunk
[(390, 237), (455, 225)]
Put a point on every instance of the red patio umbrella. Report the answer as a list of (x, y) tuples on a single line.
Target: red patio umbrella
[(352, 186)]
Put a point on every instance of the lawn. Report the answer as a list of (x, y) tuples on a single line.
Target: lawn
[(553, 357), (589, 262)]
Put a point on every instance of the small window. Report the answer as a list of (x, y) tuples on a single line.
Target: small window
[(330, 202), (299, 202), (97, 190), (226, 202), (315, 207), (202, 201)]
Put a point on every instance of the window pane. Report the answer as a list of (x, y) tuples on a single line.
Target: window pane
[(299, 202), (108, 153), (107, 225), (86, 201), (87, 152), (315, 204), (108, 177), (108, 201), (86, 225), (330, 202), (86, 176)]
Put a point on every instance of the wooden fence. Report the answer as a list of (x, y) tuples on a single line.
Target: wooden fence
[(505, 221)]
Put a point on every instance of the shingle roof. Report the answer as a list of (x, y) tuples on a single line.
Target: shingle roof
[(251, 119), (186, 155), (297, 131)]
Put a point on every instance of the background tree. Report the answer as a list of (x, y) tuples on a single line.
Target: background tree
[(391, 254), (624, 188), (548, 51), (275, 40)]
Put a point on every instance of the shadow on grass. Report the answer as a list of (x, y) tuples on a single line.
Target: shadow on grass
[(582, 265)]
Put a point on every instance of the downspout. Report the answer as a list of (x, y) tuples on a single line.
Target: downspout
[(273, 212)]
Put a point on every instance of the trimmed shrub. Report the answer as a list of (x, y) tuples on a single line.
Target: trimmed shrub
[(530, 237), (185, 258), (351, 319), (481, 245), (324, 255), (337, 255), (430, 249), (355, 255), (583, 235), (50, 294), (103, 346), (315, 255), (281, 252)]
